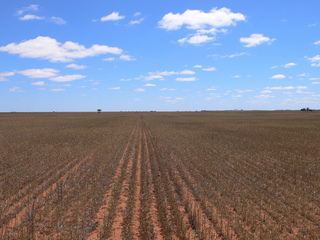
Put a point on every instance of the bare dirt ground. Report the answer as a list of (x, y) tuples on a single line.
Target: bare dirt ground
[(167, 177)]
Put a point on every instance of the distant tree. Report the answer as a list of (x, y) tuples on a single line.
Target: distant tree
[(99, 110)]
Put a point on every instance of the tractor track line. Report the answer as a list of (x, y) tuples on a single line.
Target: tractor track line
[(103, 210), (17, 219)]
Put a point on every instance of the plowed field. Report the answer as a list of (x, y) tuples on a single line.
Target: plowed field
[(204, 175)]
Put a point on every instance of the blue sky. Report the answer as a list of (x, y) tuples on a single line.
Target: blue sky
[(159, 55)]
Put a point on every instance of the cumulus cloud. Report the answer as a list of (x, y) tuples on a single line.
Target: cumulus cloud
[(288, 65), (39, 73), (256, 39), (189, 79), (243, 91), (187, 72), (41, 83), (3, 76), (54, 51), (150, 85), (67, 78), (139, 90), (75, 66), (209, 69), (315, 61), (264, 96), (16, 89), (110, 59), (150, 77), (204, 23), (35, 8), (266, 91), (57, 20), (197, 66), (285, 88), (197, 19), (167, 89), (112, 17), (31, 8), (317, 42), (114, 88), (230, 55), (168, 73), (196, 39), (134, 22), (127, 58), (30, 17), (278, 76), (57, 90)]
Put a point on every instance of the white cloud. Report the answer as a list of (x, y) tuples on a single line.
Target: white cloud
[(236, 96), (5, 74), (197, 66), (229, 56), (285, 88), (302, 92), (133, 22), (167, 89), (110, 59), (243, 91), (136, 14), (256, 39), (317, 42), (303, 75), (30, 17), (139, 90), (288, 65), (41, 83), (187, 72), (150, 77), (150, 85), (278, 76), (39, 73), (264, 96), (57, 90), (57, 20), (197, 19), (16, 89), (67, 78), (112, 17), (50, 49), (209, 69), (315, 83), (266, 91), (315, 61), (190, 79), (211, 89), (196, 39), (76, 66), (114, 88), (127, 58), (165, 73), (31, 8)]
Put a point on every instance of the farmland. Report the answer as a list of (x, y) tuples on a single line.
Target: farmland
[(187, 175)]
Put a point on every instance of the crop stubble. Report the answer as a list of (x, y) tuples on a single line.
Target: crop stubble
[(222, 175)]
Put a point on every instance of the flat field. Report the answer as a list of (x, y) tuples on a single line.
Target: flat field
[(187, 175)]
